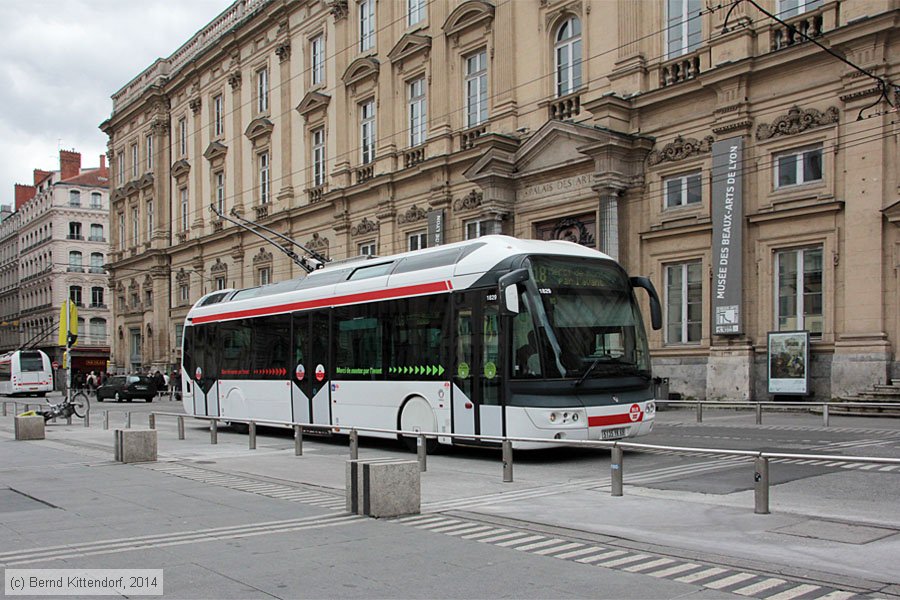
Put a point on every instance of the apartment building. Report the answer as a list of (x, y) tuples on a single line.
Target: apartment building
[(748, 172)]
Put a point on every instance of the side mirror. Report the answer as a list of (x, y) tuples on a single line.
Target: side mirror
[(655, 306), (509, 291)]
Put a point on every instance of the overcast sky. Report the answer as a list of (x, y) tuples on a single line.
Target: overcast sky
[(61, 60)]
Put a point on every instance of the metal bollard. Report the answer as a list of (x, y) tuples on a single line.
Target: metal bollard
[(825, 413), (507, 461), (4, 409), (761, 486), (758, 413), (151, 420), (354, 444), (298, 440), (16, 404), (128, 420), (105, 419), (180, 428), (252, 436), (213, 432), (69, 420), (615, 468), (87, 419), (420, 452), (699, 412)]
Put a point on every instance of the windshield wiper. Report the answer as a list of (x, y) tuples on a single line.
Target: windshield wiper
[(588, 371)]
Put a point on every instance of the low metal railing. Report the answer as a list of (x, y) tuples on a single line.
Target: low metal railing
[(760, 458), (758, 406), (617, 448)]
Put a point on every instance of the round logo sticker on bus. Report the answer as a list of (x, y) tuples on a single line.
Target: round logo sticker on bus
[(462, 370), (300, 372), (320, 372), (635, 413), (198, 373), (490, 370)]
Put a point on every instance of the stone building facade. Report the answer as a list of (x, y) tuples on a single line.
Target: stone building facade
[(344, 124), (52, 247)]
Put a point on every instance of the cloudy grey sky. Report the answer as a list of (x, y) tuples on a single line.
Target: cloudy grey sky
[(61, 60)]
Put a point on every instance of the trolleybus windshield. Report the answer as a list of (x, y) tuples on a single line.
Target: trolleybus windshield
[(588, 305), (31, 361)]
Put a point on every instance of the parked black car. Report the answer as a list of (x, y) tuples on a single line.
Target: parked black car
[(127, 387)]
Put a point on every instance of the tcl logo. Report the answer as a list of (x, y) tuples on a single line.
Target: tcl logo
[(635, 413)]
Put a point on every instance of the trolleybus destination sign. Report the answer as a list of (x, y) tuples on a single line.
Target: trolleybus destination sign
[(727, 215)]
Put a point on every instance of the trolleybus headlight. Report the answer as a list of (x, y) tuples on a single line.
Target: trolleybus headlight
[(651, 407), (552, 417), (574, 417)]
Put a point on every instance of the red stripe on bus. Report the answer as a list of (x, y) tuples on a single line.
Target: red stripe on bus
[(410, 290), (621, 419)]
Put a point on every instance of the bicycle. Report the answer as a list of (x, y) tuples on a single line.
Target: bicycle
[(79, 405)]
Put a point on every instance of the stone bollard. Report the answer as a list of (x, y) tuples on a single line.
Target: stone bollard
[(383, 487), (29, 428), (135, 445)]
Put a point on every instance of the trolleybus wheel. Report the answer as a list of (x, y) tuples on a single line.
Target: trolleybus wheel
[(417, 415)]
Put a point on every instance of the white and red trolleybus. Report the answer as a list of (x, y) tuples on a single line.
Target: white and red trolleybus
[(494, 336), (25, 373)]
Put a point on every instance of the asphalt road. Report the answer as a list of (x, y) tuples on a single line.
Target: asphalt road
[(225, 521)]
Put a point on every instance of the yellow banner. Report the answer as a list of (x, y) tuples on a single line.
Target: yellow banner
[(68, 322)]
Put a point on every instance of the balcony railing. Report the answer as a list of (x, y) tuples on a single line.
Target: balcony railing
[(365, 173), (262, 210), (798, 29), (467, 138), (316, 194), (565, 107), (95, 238), (98, 305), (75, 236), (414, 156), (680, 69), (73, 269), (98, 270)]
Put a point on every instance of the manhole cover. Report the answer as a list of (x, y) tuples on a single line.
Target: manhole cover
[(15, 501), (836, 532)]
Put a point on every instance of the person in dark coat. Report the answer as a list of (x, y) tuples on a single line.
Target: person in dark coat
[(159, 382)]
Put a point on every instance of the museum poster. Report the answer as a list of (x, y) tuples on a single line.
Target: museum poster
[(789, 362), (727, 216)]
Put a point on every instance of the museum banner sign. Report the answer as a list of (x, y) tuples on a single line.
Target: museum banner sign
[(728, 220), (435, 227)]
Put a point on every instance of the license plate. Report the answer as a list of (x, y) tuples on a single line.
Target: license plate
[(612, 434), (140, 387)]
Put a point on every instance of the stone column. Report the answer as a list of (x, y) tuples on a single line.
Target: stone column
[(503, 85), (286, 193), (236, 152), (196, 195)]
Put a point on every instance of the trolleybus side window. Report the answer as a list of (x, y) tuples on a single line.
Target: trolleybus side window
[(491, 361), (358, 342), (270, 346), (31, 361), (419, 337), (236, 344), (5, 371)]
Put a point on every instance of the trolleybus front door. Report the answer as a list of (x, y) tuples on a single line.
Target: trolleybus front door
[(478, 371), (311, 368)]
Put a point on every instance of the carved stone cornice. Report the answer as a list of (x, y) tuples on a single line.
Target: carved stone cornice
[(471, 200), (679, 149), (412, 215), (728, 128), (338, 9), (159, 126), (364, 227), (218, 267), (258, 128), (180, 167), (215, 150), (318, 243), (283, 51), (359, 70), (262, 257), (182, 277), (797, 121), (146, 181), (195, 104), (234, 80)]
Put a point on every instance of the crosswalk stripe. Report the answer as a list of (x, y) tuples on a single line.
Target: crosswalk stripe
[(794, 592), (419, 519), (726, 581), (443, 522), (551, 542), (581, 552), (673, 570), (592, 559), (888, 468), (648, 565), (525, 540), (475, 536), (449, 529), (555, 549), (704, 574), (471, 529), (497, 538), (759, 586), (608, 564)]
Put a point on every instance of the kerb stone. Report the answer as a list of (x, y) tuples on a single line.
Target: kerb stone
[(135, 445), (29, 428)]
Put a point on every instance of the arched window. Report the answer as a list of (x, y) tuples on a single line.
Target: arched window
[(568, 56), (75, 264)]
